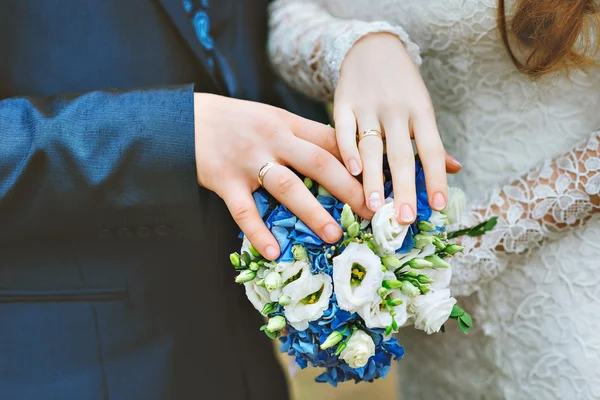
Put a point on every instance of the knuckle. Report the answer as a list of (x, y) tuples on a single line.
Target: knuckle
[(319, 160), (241, 213), (401, 158), (285, 184)]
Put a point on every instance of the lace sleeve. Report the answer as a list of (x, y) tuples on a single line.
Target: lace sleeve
[(307, 45), (555, 196)]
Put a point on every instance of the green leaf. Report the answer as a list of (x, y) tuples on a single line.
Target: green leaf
[(262, 328), (272, 335), (463, 327), (476, 230), (466, 319), (491, 223), (456, 311)]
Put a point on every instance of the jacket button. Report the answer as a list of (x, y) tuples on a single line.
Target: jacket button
[(162, 230), (124, 233), (144, 232), (105, 234)]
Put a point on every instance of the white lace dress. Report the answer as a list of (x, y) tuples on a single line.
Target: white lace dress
[(529, 151)]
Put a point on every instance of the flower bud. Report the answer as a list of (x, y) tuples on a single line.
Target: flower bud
[(425, 289), (253, 251), (391, 263), (268, 309), (246, 258), (245, 276), (424, 279), (409, 289), (299, 252), (276, 323), (354, 230), (394, 302), (422, 240), (425, 226), (391, 284), (453, 249), (260, 282), (334, 338), (456, 205), (437, 261), (321, 191), (308, 183), (235, 260), (419, 263), (254, 266), (284, 300), (439, 243), (272, 280), (347, 217), (382, 292)]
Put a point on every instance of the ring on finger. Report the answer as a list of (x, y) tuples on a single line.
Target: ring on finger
[(264, 169), (370, 132)]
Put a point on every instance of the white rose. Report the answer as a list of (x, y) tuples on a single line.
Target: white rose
[(309, 298), (377, 315), (359, 349), (258, 295), (357, 275), (387, 232), (456, 205), (432, 310)]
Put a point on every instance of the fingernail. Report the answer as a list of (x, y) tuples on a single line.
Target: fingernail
[(271, 252), (374, 201), (332, 232), (406, 213), (439, 201), (455, 161), (354, 168)]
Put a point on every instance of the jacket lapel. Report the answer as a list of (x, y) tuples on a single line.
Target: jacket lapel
[(177, 13)]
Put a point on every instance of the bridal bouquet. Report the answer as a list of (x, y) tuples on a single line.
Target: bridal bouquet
[(337, 306)]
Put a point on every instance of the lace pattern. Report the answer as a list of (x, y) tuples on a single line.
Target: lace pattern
[(554, 196)]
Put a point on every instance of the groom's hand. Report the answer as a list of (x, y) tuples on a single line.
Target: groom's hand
[(236, 138)]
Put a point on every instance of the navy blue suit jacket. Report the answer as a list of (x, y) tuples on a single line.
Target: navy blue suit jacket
[(114, 280)]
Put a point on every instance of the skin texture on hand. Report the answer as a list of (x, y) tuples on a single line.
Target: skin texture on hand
[(381, 88), (235, 138)]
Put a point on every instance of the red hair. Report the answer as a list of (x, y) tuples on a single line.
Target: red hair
[(556, 34)]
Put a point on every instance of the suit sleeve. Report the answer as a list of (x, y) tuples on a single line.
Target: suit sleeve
[(73, 158)]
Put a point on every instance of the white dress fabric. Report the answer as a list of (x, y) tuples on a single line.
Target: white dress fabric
[(530, 154)]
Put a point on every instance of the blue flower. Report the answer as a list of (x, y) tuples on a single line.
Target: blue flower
[(304, 346), (409, 242), (262, 200)]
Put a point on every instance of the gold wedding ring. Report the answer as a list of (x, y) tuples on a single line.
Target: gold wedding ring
[(370, 132), (264, 169)]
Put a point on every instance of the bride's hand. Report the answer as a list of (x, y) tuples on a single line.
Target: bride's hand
[(380, 88), (236, 138)]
